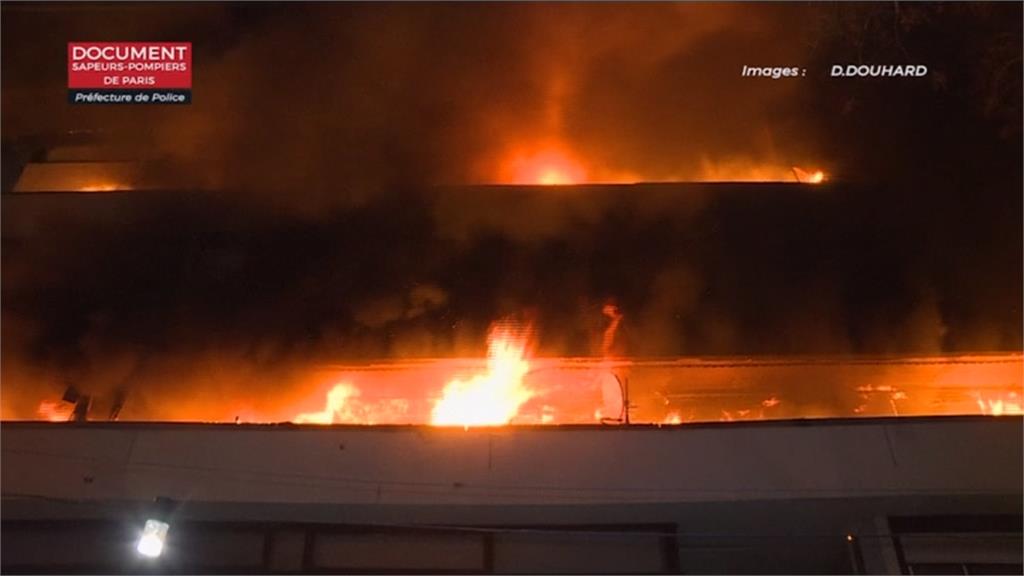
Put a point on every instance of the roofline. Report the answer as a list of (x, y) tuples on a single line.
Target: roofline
[(797, 422)]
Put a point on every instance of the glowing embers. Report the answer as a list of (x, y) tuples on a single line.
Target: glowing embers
[(493, 398)]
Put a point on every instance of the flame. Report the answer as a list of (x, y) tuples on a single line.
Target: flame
[(808, 176), (54, 411), (102, 187), (548, 166), (338, 402), (612, 312), (553, 161), (999, 406), (519, 387), (672, 419), (490, 399), (345, 406)]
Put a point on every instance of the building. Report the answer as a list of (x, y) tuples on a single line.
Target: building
[(848, 474), (874, 495)]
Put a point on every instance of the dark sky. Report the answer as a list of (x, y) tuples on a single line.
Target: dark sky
[(333, 134)]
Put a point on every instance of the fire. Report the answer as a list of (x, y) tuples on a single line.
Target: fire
[(554, 161), (490, 399), (338, 400), (54, 411), (612, 312), (808, 176), (549, 167), (345, 405), (103, 187), (999, 406)]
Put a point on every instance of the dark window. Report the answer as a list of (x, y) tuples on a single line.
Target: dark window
[(959, 544)]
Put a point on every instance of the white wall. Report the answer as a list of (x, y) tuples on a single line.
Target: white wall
[(514, 466)]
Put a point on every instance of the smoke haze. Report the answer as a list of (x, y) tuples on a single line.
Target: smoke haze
[(346, 145)]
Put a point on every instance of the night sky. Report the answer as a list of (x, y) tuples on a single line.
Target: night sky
[(339, 149)]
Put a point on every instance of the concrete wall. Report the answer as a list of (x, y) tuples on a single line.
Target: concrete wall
[(542, 465), (782, 497)]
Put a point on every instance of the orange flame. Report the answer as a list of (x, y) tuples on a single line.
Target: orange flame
[(612, 312), (54, 411), (490, 399), (808, 176), (103, 187), (549, 166), (999, 406), (337, 409), (346, 406)]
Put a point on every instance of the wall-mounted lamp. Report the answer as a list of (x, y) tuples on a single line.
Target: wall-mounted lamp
[(154, 533)]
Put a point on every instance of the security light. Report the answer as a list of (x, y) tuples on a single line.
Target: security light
[(154, 535)]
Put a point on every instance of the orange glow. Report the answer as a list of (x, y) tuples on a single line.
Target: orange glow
[(550, 166), (493, 398), (345, 405), (672, 419), (102, 187), (608, 339), (80, 177), (552, 161), (555, 165), (336, 409), (54, 411), (808, 176), (513, 386), (999, 406)]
